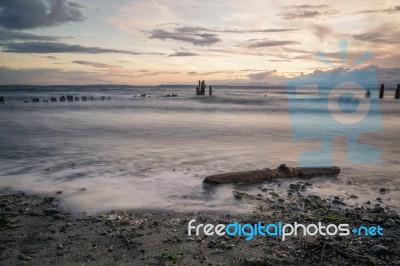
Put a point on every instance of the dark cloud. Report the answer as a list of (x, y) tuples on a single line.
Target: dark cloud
[(183, 54), (306, 11), (195, 36), (51, 57), (203, 36), (382, 36), (257, 43), (56, 47), (94, 64), (7, 35), (29, 14), (386, 10), (224, 30), (47, 76)]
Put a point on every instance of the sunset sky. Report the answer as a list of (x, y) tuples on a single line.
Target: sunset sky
[(145, 42)]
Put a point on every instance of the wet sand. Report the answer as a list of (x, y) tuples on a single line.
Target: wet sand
[(34, 230)]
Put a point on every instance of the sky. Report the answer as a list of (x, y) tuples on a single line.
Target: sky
[(236, 42)]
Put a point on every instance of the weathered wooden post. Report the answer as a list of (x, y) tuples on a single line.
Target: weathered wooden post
[(198, 89), (382, 91), (1, 99), (368, 94), (70, 98), (84, 98), (53, 100), (35, 100), (203, 87), (397, 96), (62, 98), (210, 92)]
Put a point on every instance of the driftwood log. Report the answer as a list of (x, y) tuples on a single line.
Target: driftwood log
[(282, 171)]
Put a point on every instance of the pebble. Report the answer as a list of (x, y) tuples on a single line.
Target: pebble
[(51, 211), (338, 202), (57, 216), (24, 257), (380, 250), (378, 209), (390, 223), (383, 190), (60, 246)]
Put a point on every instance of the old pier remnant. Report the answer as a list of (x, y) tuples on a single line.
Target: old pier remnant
[(201, 88), (381, 91)]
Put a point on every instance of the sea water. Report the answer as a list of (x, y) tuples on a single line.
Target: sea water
[(153, 152)]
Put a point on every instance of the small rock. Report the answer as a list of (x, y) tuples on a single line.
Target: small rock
[(390, 223), (378, 209), (24, 257), (308, 184), (380, 250), (338, 202), (383, 190), (51, 211), (83, 189), (8, 209), (57, 216), (59, 192), (294, 186), (368, 203), (59, 253), (60, 246), (63, 229), (395, 216)]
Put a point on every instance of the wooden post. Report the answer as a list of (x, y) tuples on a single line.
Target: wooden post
[(397, 96), (382, 91), (1, 99), (210, 92), (368, 94)]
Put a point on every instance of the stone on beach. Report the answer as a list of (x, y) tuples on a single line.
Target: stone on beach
[(282, 171)]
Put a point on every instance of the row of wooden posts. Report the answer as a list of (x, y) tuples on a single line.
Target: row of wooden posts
[(382, 91), (201, 88), (69, 98)]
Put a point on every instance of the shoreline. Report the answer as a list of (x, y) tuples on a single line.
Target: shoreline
[(34, 230)]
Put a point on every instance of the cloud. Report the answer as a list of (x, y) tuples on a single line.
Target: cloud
[(23, 14), (383, 35), (47, 76), (390, 10), (7, 35), (56, 47), (257, 43), (268, 77), (51, 57), (203, 36), (182, 54), (306, 11), (94, 64), (191, 35)]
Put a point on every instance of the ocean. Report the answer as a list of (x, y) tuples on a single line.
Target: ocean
[(126, 151)]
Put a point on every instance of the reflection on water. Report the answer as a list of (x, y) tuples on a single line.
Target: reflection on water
[(154, 152)]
